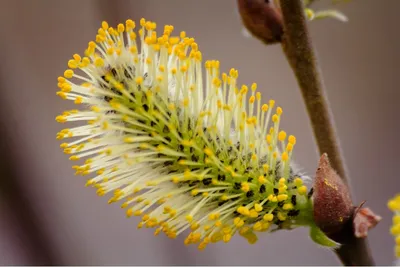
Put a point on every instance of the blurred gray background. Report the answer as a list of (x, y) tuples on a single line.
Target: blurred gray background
[(47, 216)]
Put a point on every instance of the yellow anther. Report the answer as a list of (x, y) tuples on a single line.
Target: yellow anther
[(121, 28), (253, 213), (394, 205), (226, 238), (254, 87), (148, 61), (68, 74), (244, 230), (100, 38), (99, 62), (184, 68), (271, 130), (132, 36), (236, 221), (64, 145), (265, 167), (282, 197), (186, 102), (104, 25), (74, 157), (287, 206), (272, 198), (289, 147), (292, 140), (252, 99), (272, 103), (264, 107), (298, 182), (130, 24), (279, 111), (396, 219), (92, 45), (66, 88), (258, 207), (282, 181), (275, 118), (72, 64), (257, 226), (77, 57), (281, 216), (85, 62), (78, 100), (268, 217), (245, 187), (139, 80), (174, 40), (282, 189), (208, 152), (395, 230), (244, 89), (282, 136), (262, 180), (189, 218), (137, 212), (302, 190), (194, 226), (243, 210)]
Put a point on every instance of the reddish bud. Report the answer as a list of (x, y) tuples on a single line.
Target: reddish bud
[(262, 19), (333, 207), (334, 212)]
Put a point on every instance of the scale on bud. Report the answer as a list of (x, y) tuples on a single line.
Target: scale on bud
[(334, 212)]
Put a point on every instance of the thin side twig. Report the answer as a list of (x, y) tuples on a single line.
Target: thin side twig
[(301, 56)]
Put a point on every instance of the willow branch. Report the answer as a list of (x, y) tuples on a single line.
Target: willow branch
[(301, 56)]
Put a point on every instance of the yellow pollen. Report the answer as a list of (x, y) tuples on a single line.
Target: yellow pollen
[(282, 197), (272, 103), (262, 180), (268, 217), (298, 182), (68, 74), (252, 99), (264, 107), (272, 198), (282, 136), (245, 187), (253, 214), (292, 140), (302, 190), (287, 206), (281, 216), (139, 80)]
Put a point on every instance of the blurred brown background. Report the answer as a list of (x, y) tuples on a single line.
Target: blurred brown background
[(59, 221)]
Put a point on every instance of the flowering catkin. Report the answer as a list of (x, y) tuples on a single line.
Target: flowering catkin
[(180, 150), (394, 205)]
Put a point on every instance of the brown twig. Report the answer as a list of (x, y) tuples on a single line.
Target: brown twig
[(300, 54)]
